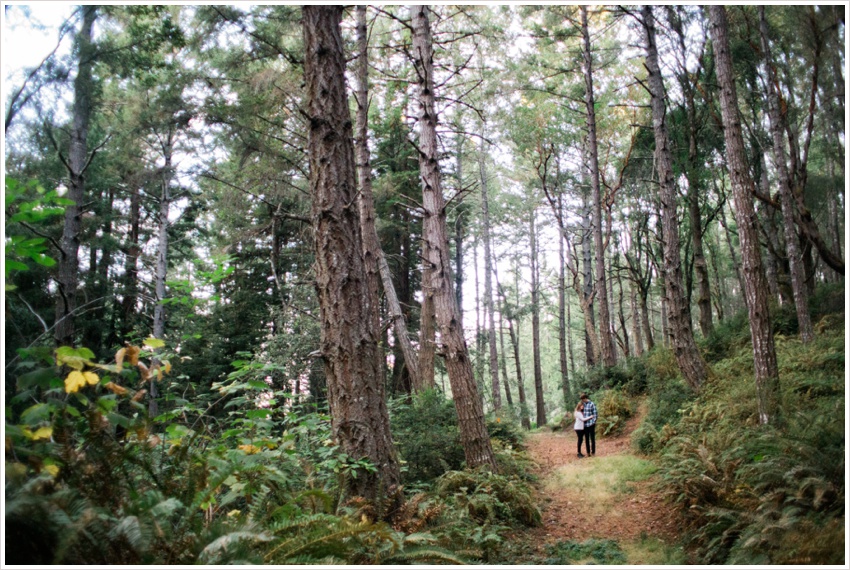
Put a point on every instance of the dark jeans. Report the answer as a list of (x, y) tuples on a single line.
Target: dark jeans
[(580, 434), (590, 438)]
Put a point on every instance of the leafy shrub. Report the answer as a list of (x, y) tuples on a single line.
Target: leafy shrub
[(489, 497), (614, 409), (506, 430), (645, 439), (426, 436), (630, 374)]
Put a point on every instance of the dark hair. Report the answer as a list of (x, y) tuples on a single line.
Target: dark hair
[(584, 396)]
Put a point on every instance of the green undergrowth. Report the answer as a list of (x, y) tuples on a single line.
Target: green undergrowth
[(747, 493)]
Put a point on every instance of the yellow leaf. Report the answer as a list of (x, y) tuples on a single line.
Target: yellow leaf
[(74, 381), (234, 513), (167, 367), (119, 357), (152, 342), (139, 395), (44, 432), (52, 469), (249, 449), (91, 378), (115, 388)]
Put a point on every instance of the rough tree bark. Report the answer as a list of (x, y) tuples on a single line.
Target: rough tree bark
[(377, 269), (473, 432), (67, 277), (349, 343), (489, 308), (688, 357), (786, 197), (754, 281), (605, 337), (535, 320)]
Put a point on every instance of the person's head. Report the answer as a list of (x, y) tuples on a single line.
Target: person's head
[(584, 397), (580, 407)]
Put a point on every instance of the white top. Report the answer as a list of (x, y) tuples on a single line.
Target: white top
[(580, 419)]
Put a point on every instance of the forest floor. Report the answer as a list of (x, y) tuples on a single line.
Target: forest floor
[(608, 497)]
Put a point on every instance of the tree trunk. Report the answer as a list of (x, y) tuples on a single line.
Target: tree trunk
[(377, 269), (489, 308), (131, 264), (690, 360), (349, 343), (792, 244), (755, 284), (523, 405), (535, 320), (591, 339), (562, 314), (503, 362), (605, 337), (473, 432), (67, 278)]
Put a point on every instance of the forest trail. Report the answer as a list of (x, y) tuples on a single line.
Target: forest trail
[(606, 497)]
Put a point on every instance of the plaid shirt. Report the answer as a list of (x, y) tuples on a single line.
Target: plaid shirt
[(590, 410)]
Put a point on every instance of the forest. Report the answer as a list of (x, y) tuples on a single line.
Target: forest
[(325, 284)]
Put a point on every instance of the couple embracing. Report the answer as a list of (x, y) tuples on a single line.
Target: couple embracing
[(585, 425)]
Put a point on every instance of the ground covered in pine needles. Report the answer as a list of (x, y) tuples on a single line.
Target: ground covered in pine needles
[(597, 510)]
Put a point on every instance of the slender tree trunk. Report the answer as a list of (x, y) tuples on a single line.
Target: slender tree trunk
[(792, 245), (349, 343), (591, 339), (733, 257), (562, 315), (755, 284), (427, 329), (489, 308), (67, 278), (460, 227), (377, 269), (473, 432), (161, 273), (502, 361), (637, 333), (535, 321), (690, 361), (131, 265), (523, 405), (605, 337)]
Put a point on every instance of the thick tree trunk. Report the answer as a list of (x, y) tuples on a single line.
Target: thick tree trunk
[(690, 360), (473, 432), (755, 284), (489, 308), (792, 244), (377, 270), (605, 337), (349, 343), (535, 320), (67, 278)]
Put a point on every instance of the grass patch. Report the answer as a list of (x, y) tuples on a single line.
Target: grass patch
[(591, 551), (653, 551), (598, 479)]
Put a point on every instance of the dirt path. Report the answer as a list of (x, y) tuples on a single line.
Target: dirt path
[(608, 496)]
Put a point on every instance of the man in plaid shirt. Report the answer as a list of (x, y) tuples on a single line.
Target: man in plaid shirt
[(589, 425)]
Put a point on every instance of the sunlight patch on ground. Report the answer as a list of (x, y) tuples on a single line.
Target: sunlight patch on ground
[(653, 551), (599, 478)]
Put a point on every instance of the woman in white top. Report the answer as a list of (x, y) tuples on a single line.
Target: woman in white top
[(579, 427)]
